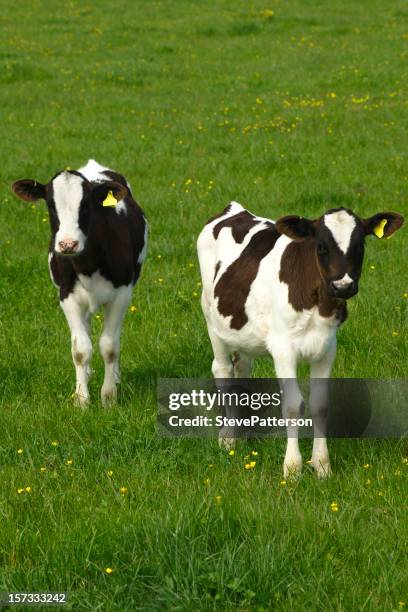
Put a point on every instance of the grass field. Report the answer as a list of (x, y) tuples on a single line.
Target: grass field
[(287, 107)]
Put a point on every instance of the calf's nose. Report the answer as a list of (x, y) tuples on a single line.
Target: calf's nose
[(342, 283), (68, 246), (344, 287)]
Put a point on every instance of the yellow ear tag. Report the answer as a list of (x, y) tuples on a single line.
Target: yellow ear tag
[(110, 200), (379, 229)]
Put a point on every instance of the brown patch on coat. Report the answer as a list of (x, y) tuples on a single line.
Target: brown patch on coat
[(240, 225), (232, 289), (216, 269), (219, 215), (299, 270)]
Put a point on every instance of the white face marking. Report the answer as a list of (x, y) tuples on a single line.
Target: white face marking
[(343, 282), (341, 225), (68, 194)]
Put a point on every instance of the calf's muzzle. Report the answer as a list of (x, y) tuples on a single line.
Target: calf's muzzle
[(68, 246)]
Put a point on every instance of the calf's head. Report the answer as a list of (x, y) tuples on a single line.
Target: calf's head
[(338, 240), (72, 203)]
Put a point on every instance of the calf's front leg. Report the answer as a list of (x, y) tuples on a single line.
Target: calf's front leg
[(109, 342), (319, 407), (81, 346), (292, 408)]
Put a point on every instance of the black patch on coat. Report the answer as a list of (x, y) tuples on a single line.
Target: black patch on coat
[(221, 214), (216, 269), (240, 225)]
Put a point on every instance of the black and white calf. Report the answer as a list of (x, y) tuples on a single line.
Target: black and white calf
[(280, 289), (98, 245)]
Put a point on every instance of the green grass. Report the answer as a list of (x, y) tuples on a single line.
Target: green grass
[(197, 103)]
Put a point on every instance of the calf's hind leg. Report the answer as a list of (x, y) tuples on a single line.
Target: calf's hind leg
[(242, 365), (222, 365), (109, 342), (222, 368)]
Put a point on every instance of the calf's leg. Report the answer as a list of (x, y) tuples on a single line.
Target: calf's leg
[(292, 407), (77, 316), (319, 374), (222, 368), (242, 365), (109, 342)]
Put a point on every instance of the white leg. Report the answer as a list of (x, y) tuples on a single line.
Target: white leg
[(319, 373), (292, 407), (109, 342), (221, 368), (222, 364), (78, 320)]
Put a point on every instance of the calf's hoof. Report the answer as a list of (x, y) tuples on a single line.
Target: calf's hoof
[(292, 467), (226, 443), (321, 466), (108, 395), (80, 399)]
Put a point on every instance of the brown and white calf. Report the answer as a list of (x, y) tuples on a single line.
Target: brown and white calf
[(280, 289), (98, 245)]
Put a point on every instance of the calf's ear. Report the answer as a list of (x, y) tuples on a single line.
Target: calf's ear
[(29, 190), (109, 193), (296, 227), (383, 224)]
